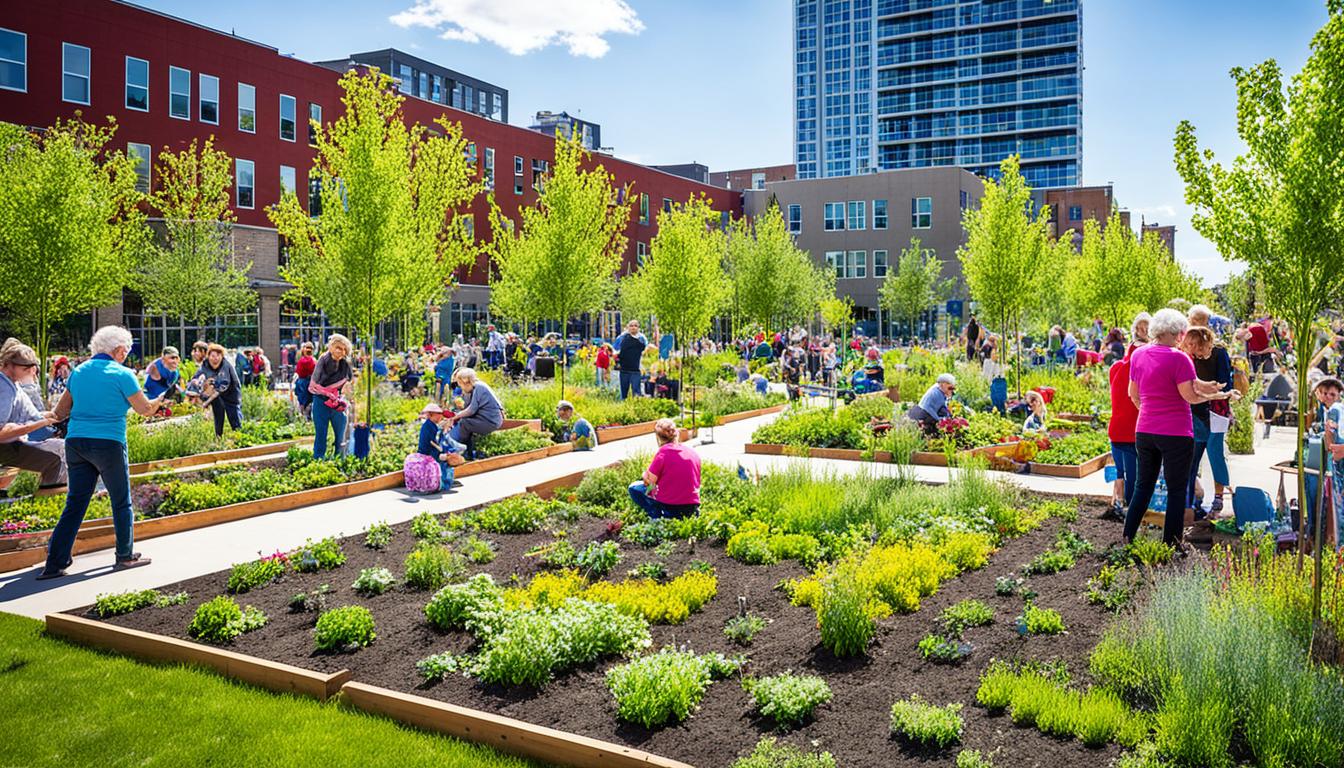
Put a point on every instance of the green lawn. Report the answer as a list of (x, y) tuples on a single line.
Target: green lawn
[(65, 705)]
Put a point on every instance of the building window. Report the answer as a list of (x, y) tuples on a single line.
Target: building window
[(286, 179), (857, 267), (288, 109), (667, 205), (137, 84), (407, 80), (921, 212), (965, 200), (469, 226), (879, 220), (517, 187), (314, 195), (643, 208), (484, 108), (75, 73), (209, 107), (424, 85), (247, 108), (314, 122), (179, 93), (489, 168), (1075, 213), (835, 217), (795, 218), (436, 95), (641, 251), (517, 165), (836, 260), (141, 154), (879, 263), (471, 155), (13, 60), (244, 182), (858, 214), (758, 181)]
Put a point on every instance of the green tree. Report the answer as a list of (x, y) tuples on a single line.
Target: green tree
[(1111, 277), (682, 282), (1005, 253), (1237, 295), (193, 273), (392, 229), (917, 284), (837, 313), (773, 279), (562, 261), (70, 224), (1278, 208)]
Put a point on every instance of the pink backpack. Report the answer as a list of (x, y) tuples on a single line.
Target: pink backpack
[(422, 473)]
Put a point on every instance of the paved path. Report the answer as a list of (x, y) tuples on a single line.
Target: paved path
[(193, 553)]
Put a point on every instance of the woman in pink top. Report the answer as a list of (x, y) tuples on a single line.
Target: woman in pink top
[(1163, 385), (671, 484)]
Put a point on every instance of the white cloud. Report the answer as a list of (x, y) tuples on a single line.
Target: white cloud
[(523, 26)]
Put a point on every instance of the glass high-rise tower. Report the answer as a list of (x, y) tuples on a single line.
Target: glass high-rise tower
[(887, 84)]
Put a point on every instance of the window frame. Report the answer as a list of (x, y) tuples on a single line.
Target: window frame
[(21, 64), (293, 119), (789, 222), (238, 184), (252, 109), (171, 93), (488, 168), (201, 101), (883, 266), (126, 94), (884, 217), (862, 208), (88, 75), (293, 177), (830, 223), (148, 159), (312, 132), (916, 215), (859, 266), (644, 208), (1077, 208), (518, 165)]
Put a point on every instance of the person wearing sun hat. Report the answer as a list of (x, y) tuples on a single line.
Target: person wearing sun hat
[(574, 429), (59, 379), (437, 446)]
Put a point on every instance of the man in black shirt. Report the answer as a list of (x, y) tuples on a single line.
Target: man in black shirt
[(972, 339), (629, 349)]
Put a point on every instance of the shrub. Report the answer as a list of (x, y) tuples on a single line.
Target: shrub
[(844, 616), (668, 603), (944, 649), (1007, 585), (324, 555), (598, 558), (742, 629), (124, 602), (518, 514), (373, 581), (1150, 552), (1112, 587), (426, 527), (345, 628), (924, 723), (478, 550), (378, 536), (996, 687), (607, 487), (220, 620), (528, 646), (457, 606), (771, 754), (313, 601), (430, 566), (662, 687), (244, 577), (788, 699), (653, 571), (965, 614), (1040, 621), (972, 758), (440, 665)]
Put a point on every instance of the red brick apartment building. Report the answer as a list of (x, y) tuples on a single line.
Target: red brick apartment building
[(167, 81)]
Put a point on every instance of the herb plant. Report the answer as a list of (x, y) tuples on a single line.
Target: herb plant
[(373, 581), (771, 754), (323, 555), (1040, 621), (378, 536), (742, 629), (245, 577), (949, 649), (925, 723), (788, 699), (478, 550), (430, 566), (312, 601), (220, 620), (345, 628), (662, 687), (125, 602), (965, 614)]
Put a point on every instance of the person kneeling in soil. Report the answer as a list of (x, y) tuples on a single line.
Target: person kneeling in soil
[(933, 405), (671, 484), (574, 429), (436, 444)]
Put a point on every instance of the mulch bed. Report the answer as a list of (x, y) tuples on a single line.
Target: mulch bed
[(854, 726)]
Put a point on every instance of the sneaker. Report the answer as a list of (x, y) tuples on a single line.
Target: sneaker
[(44, 575), (136, 560), (456, 484), (1217, 505)]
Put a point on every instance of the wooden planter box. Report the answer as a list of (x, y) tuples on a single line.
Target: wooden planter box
[(1071, 470), (743, 415), (532, 424), (626, 431), (214, 457), (30, 549), (146, 645), (923, 458), (1076, 418)]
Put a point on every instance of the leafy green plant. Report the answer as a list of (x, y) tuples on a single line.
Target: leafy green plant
[(965, 614), (925, 723), (1075, 449), (973, 758), (1064, 554), (1113, 588), (322, 555), (465, 605), (1148, 551), (788, 699), (528, 646), (373, 581), (518, 514), (997, 683), (478, 550), (119, 603), (947, 650), (220, 620), (378, 535), (1007, 585), (743, 628), (771, 754), (652, 570), (843, 613), (441, 665), (597, 559), (312, 601), (1040, 621), (344, 629), (430, 566), (244, 577), (661, 687), (426, 527)]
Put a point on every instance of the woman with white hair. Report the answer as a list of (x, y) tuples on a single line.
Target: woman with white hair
[(96, 400), (1163, 386), (25, 434), (331, 378), (482, 415), (1138, 330), (933, 405)]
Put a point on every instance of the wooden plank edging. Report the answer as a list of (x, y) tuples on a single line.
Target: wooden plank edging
[(1075, 471), (146, 645), (499, 732), (197, 459), (729, 418)]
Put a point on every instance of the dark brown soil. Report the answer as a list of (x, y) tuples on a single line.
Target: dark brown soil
[(854, 726)]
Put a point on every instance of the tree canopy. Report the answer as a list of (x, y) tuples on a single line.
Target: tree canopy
[(773, 279), (915, 285)]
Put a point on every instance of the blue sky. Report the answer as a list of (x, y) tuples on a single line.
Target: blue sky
[(709, 80)]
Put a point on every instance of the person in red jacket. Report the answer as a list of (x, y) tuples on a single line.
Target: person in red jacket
[(1124, 418), (602, 363)]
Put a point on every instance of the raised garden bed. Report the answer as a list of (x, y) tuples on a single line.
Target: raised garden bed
[(1094, 464), (216, 457), (922, 458), (853, 725)]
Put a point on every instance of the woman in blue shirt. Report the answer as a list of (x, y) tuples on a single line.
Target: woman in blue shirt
[(100, 392), (161, 376)]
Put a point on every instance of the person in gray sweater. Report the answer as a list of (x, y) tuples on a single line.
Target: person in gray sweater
[(482, 415)]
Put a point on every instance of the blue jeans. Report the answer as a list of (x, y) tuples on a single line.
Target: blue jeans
[(323, 415), (629, 384), (1126, 466), (448, 470), (1210, 443), (639, 493), (88, 459), (302, 395)]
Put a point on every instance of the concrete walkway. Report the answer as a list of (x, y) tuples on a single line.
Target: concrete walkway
[(193, 553)]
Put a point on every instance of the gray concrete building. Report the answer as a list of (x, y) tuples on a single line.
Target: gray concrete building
[(858, 226)]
